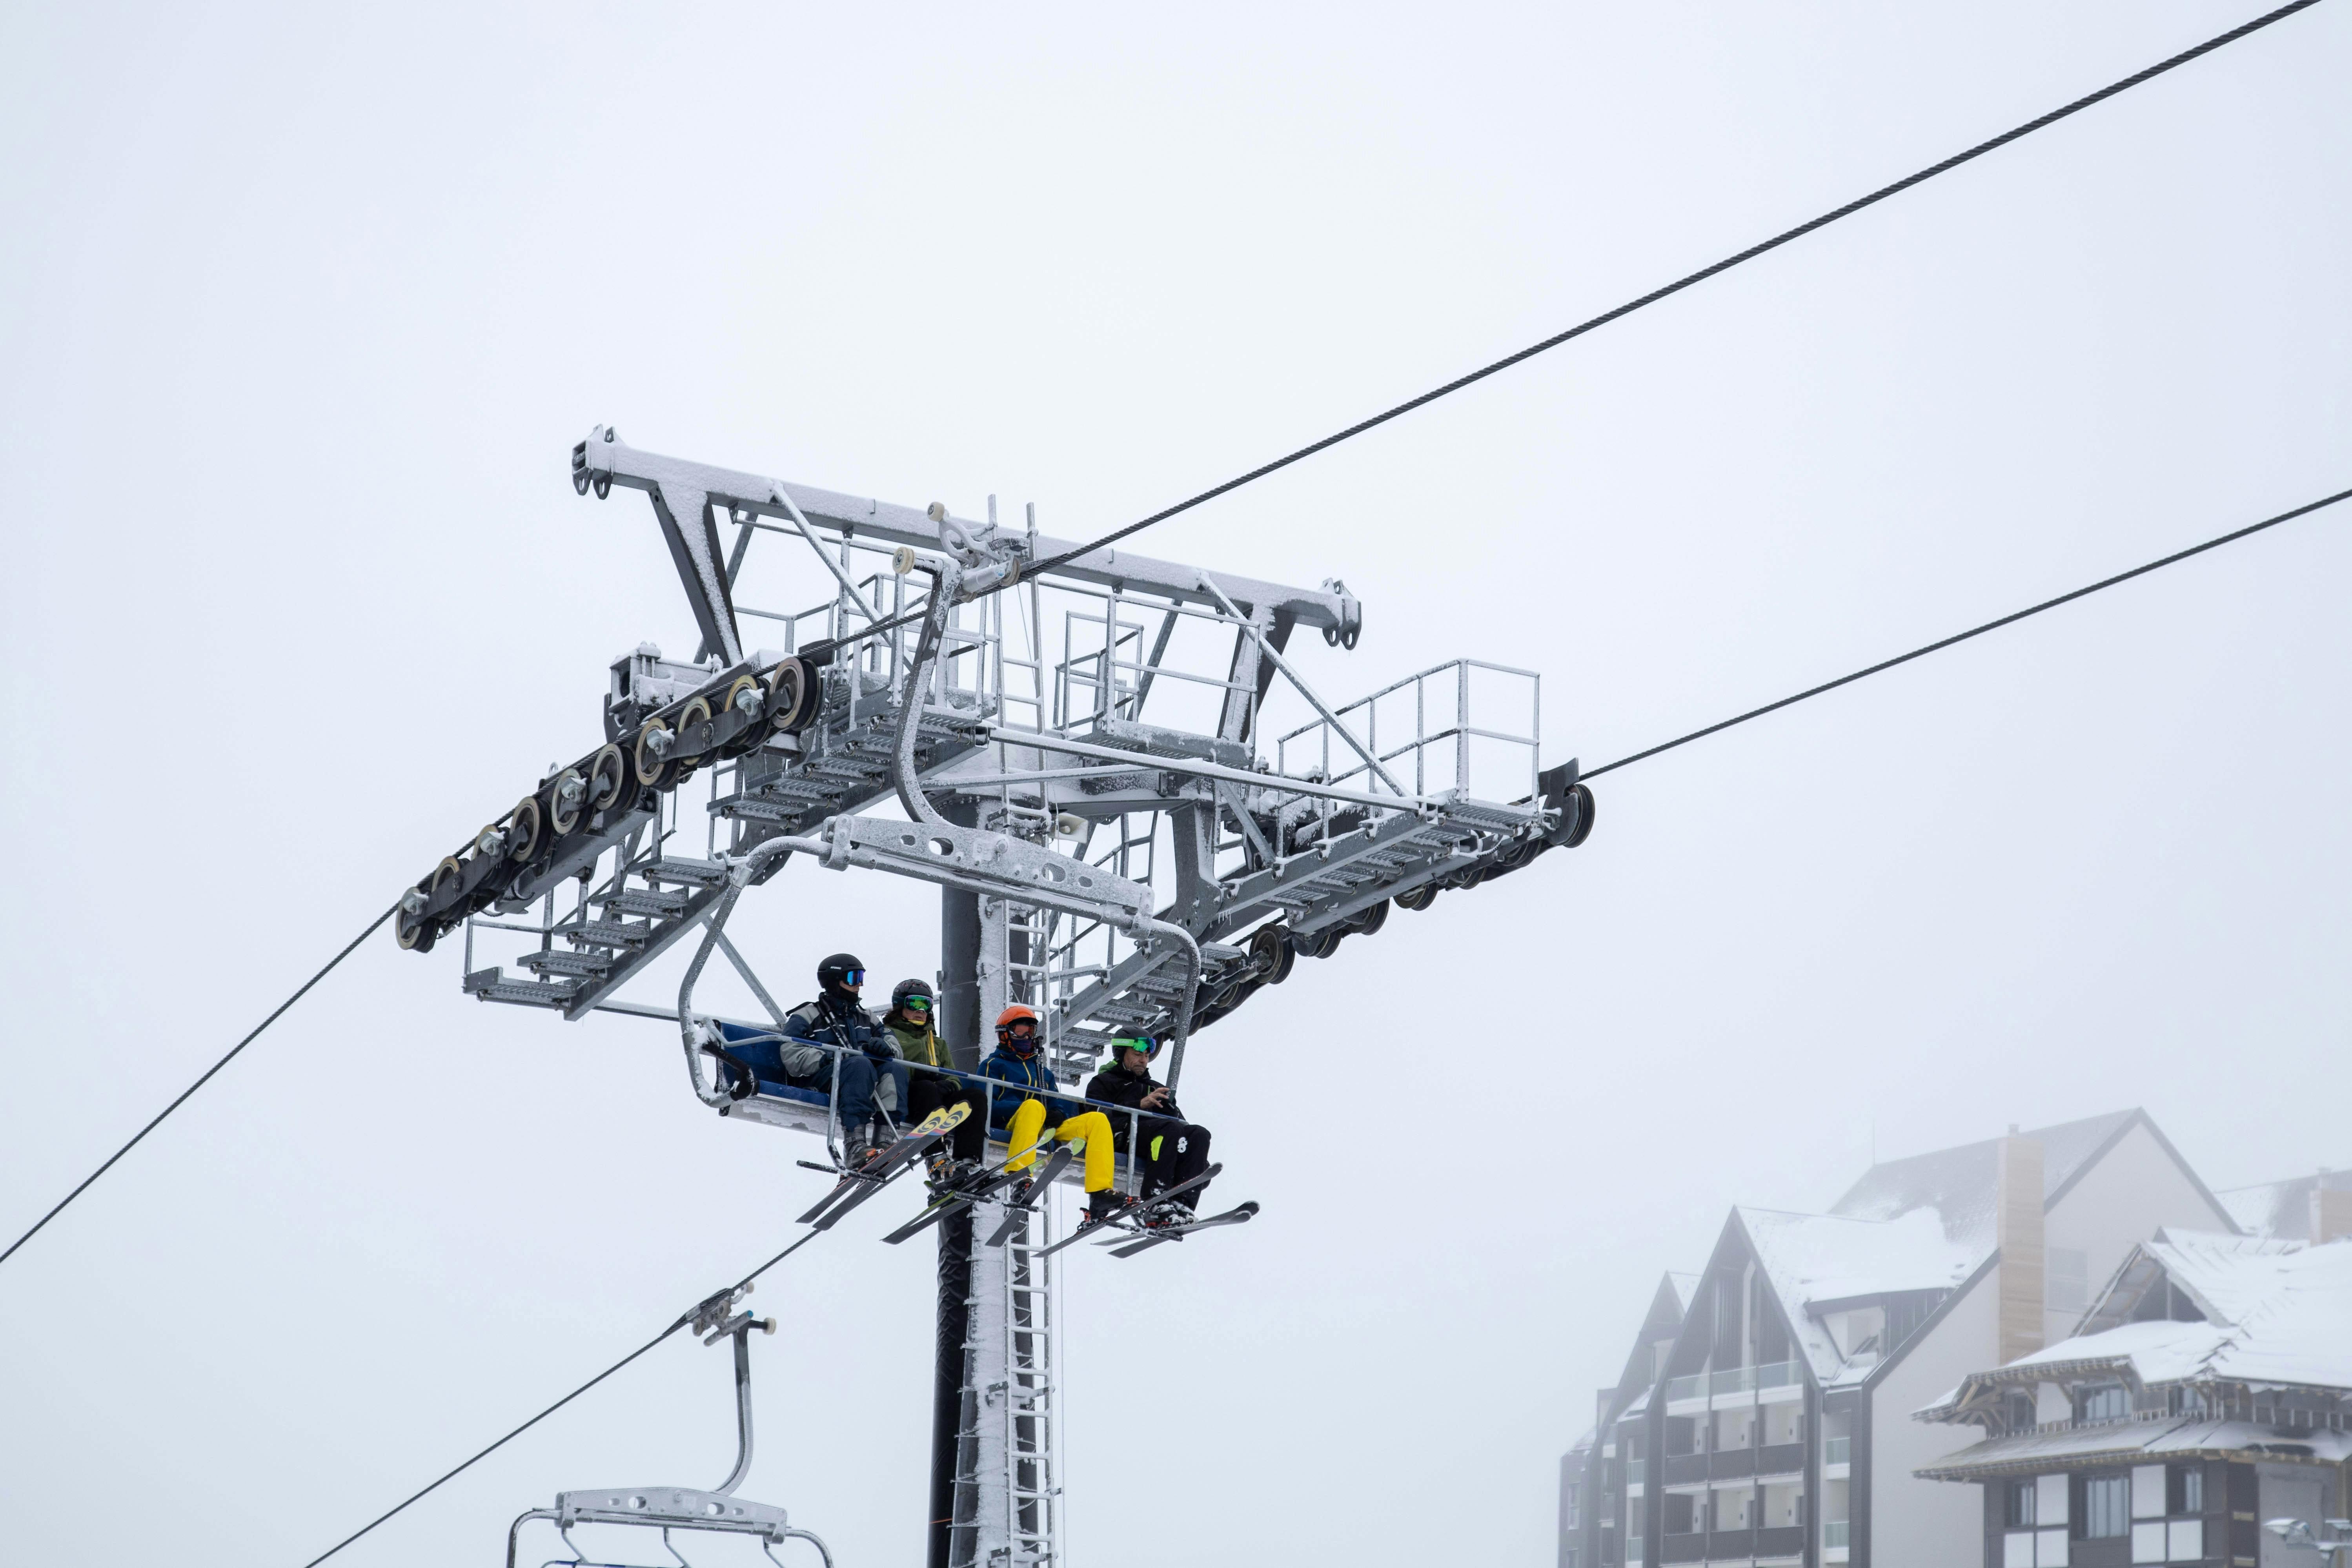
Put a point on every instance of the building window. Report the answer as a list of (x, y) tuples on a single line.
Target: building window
[(2102, 1402), (2185, 1489), (2106, 1506), (2021, 1505), (2067, 1286)]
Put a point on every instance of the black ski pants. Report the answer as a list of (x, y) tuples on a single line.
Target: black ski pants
[(1173, 1152), (931, 1091)]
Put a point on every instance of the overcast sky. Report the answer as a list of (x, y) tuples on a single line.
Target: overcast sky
[(301, 309)]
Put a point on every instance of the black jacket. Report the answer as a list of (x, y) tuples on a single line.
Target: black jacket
[(1117, 1085)]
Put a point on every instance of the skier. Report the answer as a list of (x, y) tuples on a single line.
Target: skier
[(1022, 1117), (1174, 1149), (931, 1072), (872, 1078)]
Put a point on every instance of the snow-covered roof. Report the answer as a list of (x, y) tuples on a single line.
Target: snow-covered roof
[(2135, 1439), (2277, 1312), (1810, 1257), (2282, 1208), (1961, 1185)]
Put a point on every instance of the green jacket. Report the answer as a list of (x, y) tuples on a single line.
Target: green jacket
[(921, 1047)]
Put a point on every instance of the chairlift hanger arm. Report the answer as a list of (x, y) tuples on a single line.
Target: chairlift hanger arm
[(604, 460)]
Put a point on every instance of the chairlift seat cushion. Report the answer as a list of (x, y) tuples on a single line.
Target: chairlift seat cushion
[(762, 1051)]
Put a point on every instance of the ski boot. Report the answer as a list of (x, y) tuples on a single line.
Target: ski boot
[(1169, 1216), (1106, 1206), (860, 1146)]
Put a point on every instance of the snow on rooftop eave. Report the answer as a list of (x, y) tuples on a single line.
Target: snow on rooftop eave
[(1824, 1257)]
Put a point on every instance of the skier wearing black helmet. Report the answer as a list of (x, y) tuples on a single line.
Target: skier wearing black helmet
[(911, 1023), (871, 1077), (1174, 1149)]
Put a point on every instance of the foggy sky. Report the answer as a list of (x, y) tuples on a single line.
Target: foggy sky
[(302, 309)]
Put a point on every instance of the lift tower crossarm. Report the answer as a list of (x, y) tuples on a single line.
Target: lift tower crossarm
[(679, 486)]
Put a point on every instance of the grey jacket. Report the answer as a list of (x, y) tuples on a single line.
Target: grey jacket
[(834, 1023)]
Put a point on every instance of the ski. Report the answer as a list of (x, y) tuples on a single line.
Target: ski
[(872, 1175), (952, 1202), (1090, 1227), (1018, 1208), (1179, 1232)]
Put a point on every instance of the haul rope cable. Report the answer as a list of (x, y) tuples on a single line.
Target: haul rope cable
[(207, 1078), (2009, 619), (1678, 286), (1652, 298), (2139, 571), (454, 1473)]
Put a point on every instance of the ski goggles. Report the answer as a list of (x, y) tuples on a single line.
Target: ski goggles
[(853, 977), (1143, 1044), (916, 1003), (1022, 1030)]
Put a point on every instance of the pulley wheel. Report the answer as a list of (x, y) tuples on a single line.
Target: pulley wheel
[(652, 772), (752, 735), (1418, 898), (1581, 797), (608, 777), (560, 817), (1321, 943), (1270, 951), (1371, 920), (794, 691), (695, 712), (418, 938), (523, 827)]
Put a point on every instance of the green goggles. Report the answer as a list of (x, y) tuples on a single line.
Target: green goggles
[(1143, 1044), (916, 1005)]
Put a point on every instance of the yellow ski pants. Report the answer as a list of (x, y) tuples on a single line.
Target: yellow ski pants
[(1093, 1126)]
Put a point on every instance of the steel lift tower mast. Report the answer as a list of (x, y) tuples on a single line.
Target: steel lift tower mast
[(1077, 757)]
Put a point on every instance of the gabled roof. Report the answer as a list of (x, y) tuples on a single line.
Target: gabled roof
[(1961, 1185), (2275, 1313), (2282, 1208), (1685, 1286), (1810, 1257)]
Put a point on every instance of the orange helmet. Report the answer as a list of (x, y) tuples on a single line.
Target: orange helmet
[(1017, 1014)]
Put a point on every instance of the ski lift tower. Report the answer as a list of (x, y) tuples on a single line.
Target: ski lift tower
[(1077, 757)]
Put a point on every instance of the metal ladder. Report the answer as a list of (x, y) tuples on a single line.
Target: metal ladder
[(1007, 1491)]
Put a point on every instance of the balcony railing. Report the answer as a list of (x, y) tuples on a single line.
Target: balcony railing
[(1779, 1374), (1731, 1380), (1690, 1387), (1838, 1451), (1633, 1472), (1632, 1552), (1833, 1534)]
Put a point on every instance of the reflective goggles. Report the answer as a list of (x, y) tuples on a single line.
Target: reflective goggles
[(853, 977), (916, 1003), (1144, 1044)]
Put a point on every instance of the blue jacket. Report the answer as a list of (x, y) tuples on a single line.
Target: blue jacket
[(1031, 1074)]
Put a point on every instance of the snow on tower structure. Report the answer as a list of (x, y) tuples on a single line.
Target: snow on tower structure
[(1137, 809)]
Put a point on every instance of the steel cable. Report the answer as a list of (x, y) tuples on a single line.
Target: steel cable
[(459, 1469), (192, 1089), (1685, 281), (2009, 619)]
